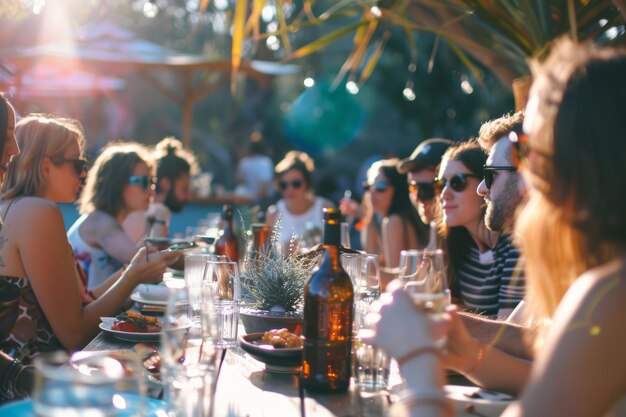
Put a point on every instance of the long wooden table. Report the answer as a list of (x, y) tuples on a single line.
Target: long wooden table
[(245, 388)]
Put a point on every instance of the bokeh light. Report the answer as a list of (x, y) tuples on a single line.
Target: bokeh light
[(322, 120)]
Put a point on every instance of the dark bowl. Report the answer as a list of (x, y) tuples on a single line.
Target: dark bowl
[(259, 321), (275, 359)]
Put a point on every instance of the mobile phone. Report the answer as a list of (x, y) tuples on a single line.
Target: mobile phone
[(181, 246)]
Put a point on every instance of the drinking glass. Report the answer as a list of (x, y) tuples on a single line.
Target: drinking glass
[(221, 283), (367, 288), (195, 263), (352, 264), (409, 263), (187, 358), (97, 384), (428, 286), (371, 366), (345, 235)]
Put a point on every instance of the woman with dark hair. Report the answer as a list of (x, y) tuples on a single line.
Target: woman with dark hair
[(299, 211), (175, 167), (482, 264), (387, 194), (121, 181)]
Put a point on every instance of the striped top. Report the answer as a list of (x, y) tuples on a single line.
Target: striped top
[(490, 283)]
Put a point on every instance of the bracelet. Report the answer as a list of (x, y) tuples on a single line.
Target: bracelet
[(479, 359), (16, 389), (411, 354), (435, 398)]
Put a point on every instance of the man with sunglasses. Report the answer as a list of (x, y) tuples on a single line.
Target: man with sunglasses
[(421, 170)]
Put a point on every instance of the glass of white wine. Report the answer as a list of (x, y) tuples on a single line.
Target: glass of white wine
[(428, 286)]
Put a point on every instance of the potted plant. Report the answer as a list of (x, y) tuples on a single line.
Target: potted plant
[(274, 287)]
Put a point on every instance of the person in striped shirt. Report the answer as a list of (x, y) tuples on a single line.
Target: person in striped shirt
[(483, 274)]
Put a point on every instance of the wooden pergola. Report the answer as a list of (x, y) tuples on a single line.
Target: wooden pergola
[(106, 50)]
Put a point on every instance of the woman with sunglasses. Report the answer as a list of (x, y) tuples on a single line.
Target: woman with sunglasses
[(400, 226), (45, 305), (299, 211), (120, 182), (481, 262)]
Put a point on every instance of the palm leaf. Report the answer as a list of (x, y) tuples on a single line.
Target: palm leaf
[(325, 40), (239, 22), (282, 25)]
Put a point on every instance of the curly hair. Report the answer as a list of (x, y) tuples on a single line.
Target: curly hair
[(490, 132)]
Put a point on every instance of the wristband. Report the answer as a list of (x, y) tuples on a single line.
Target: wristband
[(417, 352)]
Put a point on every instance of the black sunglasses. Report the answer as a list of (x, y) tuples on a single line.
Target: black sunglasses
[(458, 183), (424, 191), (79, 165), (283, 185), (143, 181), (378, 186), (490, 172)]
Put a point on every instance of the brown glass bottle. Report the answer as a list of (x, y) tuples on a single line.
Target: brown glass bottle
[(227, 243), (328, 312)]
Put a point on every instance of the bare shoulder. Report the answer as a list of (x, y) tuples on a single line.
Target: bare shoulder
[(29, 207), (100, 221)]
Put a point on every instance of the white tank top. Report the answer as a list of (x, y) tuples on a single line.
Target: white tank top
[(296, 224)]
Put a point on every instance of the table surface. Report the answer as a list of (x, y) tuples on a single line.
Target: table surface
[(246, 389)]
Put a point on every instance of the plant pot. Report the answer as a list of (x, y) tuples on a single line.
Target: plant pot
[(258, 321)]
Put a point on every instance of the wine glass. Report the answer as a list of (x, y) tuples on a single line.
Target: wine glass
[(428, 287), (368, 287)]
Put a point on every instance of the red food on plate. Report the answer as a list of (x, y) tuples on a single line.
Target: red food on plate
[(136, 323)]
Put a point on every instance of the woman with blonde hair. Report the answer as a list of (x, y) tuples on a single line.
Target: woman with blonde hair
[(573, 234), (121, 181), (45, 306)]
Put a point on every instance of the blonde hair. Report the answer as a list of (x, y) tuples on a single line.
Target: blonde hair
[(574, 219), (39, 136), (109, 175)]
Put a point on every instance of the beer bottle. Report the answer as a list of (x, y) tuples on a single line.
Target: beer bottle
[(328, 312), (227, 243)]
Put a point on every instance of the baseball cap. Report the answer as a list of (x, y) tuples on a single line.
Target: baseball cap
[(427, 154)]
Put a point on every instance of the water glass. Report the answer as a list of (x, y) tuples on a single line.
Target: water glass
[(367, 289), (352, 264), (89, 383), (195, 263), (188, 355), (409, 263), (371, 367), (222, 287)]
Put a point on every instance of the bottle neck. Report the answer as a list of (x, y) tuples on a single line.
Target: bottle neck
[(332, 240)]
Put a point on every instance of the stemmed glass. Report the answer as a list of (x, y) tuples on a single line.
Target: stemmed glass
[(409, 263), (428, 286), (367, 289)]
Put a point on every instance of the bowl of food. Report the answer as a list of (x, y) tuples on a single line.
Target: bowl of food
[(279, 349)]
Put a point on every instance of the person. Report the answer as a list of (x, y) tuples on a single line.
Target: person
[(481, 270), (299, 212), (573, 235), (43, 296), (255, 172), (421, 169), (16, 379), (120, 182), (175, 167), (400, 227)]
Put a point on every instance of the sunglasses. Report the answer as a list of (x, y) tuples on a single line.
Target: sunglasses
[(79, 165), (283, 185), (378, 186), (519, 140), (458, 183), (490, 172), (143, 181), (424, 191)]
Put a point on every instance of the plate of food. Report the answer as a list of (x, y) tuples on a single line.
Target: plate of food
[(278, 349), (132, 327)]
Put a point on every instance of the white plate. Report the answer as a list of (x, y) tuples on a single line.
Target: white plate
[(153, 292), (107, 322), (138, 298), (483, 402)]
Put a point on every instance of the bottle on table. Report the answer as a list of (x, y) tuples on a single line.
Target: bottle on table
[(227, 243), (328, 313)]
